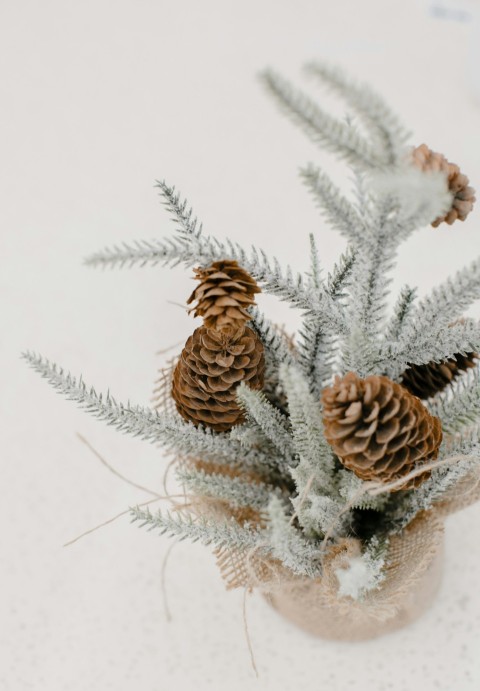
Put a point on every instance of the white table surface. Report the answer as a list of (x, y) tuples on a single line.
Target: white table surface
[(99, 98)]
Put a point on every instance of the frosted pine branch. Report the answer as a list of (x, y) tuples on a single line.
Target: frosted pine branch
[(307, 426), (435, 344), (404, 198), (185, 526), (288, 544), (370, 275), (270, 420), (203, 251), (314, 474), (285, 544), (315, 274), (401, 201), (277, 347), (368, 300), (433, 489), (316, 348), (447, 301), (316, 353), (168, 430), (238, 492), (339, 279), (459, 407), (337, 209), (380, 120), (371, 281), (353, 492), (181, 213), (402, 312), (252, 439), (248, 435), (466, 441), (322, 128), (142, 253)]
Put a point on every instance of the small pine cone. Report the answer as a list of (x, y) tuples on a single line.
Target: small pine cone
[(427, 380), (463, 195), (378, 429), (223, 296), (211, 366)]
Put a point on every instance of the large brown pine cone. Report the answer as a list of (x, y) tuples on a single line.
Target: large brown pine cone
[(427, 380), (463, 195), (211, 366), (224, 294), (378, 429)]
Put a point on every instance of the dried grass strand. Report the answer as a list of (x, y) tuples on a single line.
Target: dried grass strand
[(165, 562), (247, 633), (168, 348), (110, 520), (114, 471)]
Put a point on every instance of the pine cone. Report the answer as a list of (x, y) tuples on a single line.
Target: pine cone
[(223, 296), (378, 429), (463, 195), (210, 368), (425, 381)]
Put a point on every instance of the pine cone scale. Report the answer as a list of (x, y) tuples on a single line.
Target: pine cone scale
[(398, 443), (388, 431), (354, 444), (368, 431), (390, 410)]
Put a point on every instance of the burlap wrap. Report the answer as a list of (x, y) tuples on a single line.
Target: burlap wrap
[(413, 573), (413, 576)]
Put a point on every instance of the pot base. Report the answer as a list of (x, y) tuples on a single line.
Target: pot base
[(302, 606)]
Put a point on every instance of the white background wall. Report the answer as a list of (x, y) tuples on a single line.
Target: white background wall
[(99, 98)]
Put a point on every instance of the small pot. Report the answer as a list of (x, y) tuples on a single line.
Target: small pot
[(305, 605)]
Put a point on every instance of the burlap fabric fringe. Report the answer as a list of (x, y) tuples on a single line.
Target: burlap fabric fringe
[(413, 572)]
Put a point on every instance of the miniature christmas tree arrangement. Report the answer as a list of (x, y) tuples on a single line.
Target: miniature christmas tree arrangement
[(321, 467)]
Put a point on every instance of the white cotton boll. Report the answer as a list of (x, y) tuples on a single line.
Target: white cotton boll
[(356, 579), (363, 573), (421, 195)]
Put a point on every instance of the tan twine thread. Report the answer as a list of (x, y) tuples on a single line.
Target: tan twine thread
[(380, 489), (247, 633), (156, 495)]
